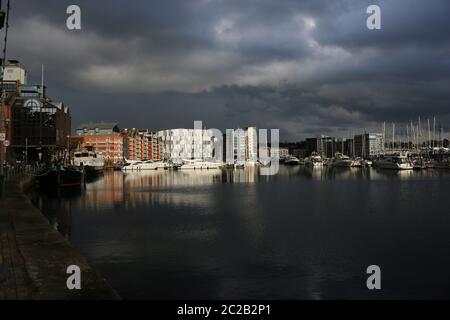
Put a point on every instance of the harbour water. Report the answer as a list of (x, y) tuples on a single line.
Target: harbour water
[(302, 234)]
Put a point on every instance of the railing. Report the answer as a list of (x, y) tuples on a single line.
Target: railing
[(18, 170)]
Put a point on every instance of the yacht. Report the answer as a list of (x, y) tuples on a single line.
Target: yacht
[(291, 161), (341, 161), (131, 165), (153, 165), (199, 164), (358, 162), (91, 161), (315, 160), (396, 162)]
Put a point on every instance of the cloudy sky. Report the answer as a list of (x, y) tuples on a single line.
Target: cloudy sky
[(305, 66)]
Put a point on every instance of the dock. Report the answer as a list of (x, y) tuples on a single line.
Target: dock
[(34, 257)]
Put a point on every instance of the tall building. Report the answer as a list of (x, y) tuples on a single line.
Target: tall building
[(251, 144), (369, 144), (324, 145), (103, 137), (140, 144), (236, 145)]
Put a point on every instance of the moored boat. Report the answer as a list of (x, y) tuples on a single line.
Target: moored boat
[(357, 163), (199, 165), (291, 161), (91, 162), (60, 176), (394, 162), (341, 161), (315, 160)]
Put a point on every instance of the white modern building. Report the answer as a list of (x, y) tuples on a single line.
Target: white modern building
[(235, 145), (189, 144), (251, 144)]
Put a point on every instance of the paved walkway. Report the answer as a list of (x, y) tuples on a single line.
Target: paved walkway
[(34, 257)]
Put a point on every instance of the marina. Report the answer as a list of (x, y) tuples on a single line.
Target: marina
[(208, 152)]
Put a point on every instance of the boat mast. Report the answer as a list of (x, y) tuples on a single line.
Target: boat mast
[(434, 132), (393, 137), (407, 135)]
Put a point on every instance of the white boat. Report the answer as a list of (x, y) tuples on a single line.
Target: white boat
[(131, 165), (358, 162), (291, 161), (199, 165), (395, 162), (89, 160), (153, 165), (341, 161), (315, 160)]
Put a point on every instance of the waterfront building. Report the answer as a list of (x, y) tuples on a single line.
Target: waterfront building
[(135, 147), (188, 144), (37, 128), (368, 145), (154, 149), (140, 144), (251, 144), (236, 145), (325, 146), (104, 137), (40, 129)]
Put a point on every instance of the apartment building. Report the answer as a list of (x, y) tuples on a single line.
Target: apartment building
[(104, 137)]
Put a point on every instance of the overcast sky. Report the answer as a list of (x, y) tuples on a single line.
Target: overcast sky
[(305, 67)]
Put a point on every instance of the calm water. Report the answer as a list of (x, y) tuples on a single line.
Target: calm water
[(303, 234)]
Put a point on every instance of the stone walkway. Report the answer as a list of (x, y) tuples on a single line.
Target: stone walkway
[(34, 257)]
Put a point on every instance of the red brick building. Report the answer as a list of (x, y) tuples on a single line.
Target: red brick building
[(103, 137)]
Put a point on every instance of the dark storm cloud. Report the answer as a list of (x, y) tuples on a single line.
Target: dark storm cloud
[(306, 67)]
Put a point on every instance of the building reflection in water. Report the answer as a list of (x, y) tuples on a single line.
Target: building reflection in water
[(191, 187), (188, 188)]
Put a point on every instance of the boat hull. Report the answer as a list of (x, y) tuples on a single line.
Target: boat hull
[(62, 178)]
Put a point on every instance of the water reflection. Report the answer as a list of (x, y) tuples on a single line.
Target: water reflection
[(304, 233), (57, 207), (115, 189)]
